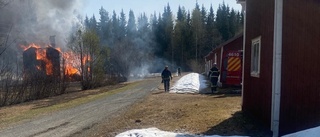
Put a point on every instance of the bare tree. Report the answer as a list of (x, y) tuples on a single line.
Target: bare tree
[(4, 38), (85, 45)]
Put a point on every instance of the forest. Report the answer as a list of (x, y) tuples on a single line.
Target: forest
[(179, 39)]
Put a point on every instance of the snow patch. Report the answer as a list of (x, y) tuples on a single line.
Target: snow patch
[(312, 132), (154, 132), (190, 83)]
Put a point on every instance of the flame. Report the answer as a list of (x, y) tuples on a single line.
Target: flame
[(86, 59), (71, 63), (59, 49), (41, 56), (29, 46)]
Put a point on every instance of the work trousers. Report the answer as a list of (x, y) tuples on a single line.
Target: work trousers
[(214, 84), (166, 84)]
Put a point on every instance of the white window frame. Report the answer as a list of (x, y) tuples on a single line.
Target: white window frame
[(215, 58), (255, 56)]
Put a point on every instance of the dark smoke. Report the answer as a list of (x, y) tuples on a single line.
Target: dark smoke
[(23, 22), (35, 20)]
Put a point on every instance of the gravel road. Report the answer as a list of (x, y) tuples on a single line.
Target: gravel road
[(75, 120)]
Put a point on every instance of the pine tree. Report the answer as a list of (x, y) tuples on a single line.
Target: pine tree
[(131, 27), (179, 36), (168, 29), (93, 25), (223, 22), (86, 22), (210, 28), (122, 26), (196, 22), (104, 27), (232, 23), (115, 29)]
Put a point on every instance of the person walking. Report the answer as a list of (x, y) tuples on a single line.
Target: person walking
[(166, 77), (179, 71), (213, 75)]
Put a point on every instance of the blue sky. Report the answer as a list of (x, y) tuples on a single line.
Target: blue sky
[(91, 7)]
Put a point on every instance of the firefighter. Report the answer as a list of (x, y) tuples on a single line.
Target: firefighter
[(166, 77), (213, 76)]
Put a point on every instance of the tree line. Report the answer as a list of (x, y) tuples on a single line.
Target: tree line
[(178, 40)]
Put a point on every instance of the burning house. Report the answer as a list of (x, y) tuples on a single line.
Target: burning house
[(41, 62)]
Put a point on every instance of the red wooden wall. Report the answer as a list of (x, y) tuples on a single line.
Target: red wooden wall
[(300, 93), (257, 91)]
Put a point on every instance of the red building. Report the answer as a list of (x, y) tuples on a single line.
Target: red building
[(222, 54), (281, 71)]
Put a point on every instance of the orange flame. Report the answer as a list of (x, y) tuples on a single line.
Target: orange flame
[(29, 46), (86, 59), (71, 60), (41, 56), (71, 63)]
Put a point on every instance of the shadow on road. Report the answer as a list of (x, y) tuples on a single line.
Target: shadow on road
[(241, 125)]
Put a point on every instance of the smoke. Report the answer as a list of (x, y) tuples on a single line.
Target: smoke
[(23, 22), (34, 21), (143, 62)]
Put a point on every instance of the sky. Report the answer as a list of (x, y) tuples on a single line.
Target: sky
[(193, 83), (91, 7)]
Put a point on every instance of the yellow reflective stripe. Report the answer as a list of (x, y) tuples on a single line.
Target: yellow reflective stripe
[(232, 62), (237, 68), (234, 65)]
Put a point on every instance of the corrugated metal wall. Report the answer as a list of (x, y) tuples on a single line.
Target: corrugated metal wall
[(257, 91), (300, 97)]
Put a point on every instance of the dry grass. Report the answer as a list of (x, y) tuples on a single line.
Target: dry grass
[(197, 114), (15, 113)]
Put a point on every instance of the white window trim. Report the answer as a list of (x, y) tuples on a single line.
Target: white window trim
[(257, 72), (215, 58)]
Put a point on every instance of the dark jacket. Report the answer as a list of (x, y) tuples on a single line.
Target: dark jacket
[(214, 73), (166, 74)]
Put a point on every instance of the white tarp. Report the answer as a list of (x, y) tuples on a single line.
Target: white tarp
[(190, 83)]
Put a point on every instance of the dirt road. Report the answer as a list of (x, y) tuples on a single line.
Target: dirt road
[(78, 119)]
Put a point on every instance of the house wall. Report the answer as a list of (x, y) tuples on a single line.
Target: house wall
[(300, 92), (236, 44), (218, 52), (211, 57), (257, 94)]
